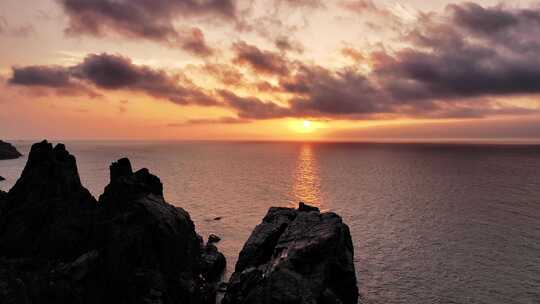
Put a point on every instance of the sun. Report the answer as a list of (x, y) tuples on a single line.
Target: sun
[(305, 126)]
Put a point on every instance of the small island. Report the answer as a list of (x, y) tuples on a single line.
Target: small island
[(8, 151)]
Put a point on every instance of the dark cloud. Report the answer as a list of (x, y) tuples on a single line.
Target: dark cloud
[(195, 43), (452, 69), (114, 72), (56, 78), (212, 121), (285, 44), (265, 62), (146, 19), (253, 107), (48, 76), (450, 62), (319, 92)]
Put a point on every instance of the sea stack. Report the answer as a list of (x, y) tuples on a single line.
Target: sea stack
[(8, 151), (296, 256), (59, 245)]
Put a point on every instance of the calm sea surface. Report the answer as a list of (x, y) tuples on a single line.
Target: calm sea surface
[(430, 223)]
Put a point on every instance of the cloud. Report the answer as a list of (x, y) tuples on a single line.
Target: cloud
[(353, 54), (302, 3), (211, 121), (364, 7), (253, 107), (455, 58), (146, 19), (450, 67), (56, 78), (49, 76), (224, 73), (359, 6), (195, 43), (285, 44), (322, 92), (113, 72), (260, 61)]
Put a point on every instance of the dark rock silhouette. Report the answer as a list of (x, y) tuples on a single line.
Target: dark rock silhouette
[(213, 263), (47, 213), (58, 245), (2, 179), (212, 238), (295, 256), (8, 151)]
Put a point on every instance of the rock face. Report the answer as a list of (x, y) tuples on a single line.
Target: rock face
[(8, 151), (59, 245), (295, 256), (48, 212)]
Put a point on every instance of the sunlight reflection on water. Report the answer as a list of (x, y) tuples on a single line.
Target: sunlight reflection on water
[(307, 181)]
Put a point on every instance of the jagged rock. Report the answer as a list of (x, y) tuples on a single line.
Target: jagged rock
[(48, 213), (303, 207), (212, 238), (2, 179), (151, 249), (213, 263), (296, 256), (8, 151), (59, 245)]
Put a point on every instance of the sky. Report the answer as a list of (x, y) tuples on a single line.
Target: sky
[(338, 70)]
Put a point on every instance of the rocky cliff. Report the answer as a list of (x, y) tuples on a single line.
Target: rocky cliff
[(298, 256), (59, 245), (8, 151)]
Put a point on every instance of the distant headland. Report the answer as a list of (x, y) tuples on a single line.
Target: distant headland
[(8, 151)]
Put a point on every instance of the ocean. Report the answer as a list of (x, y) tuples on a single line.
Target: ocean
[(431, 223)]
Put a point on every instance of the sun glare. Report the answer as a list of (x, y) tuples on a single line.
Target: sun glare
[(305, 126)]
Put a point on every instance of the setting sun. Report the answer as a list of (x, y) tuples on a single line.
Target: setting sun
[(305, 126)]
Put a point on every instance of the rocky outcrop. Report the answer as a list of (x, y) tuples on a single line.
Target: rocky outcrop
[(59, 245), (212, 263), (2, 179), (8, 151), (47, 213), (296, 256)]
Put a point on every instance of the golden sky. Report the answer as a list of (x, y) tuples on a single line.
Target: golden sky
[(342, 70)]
